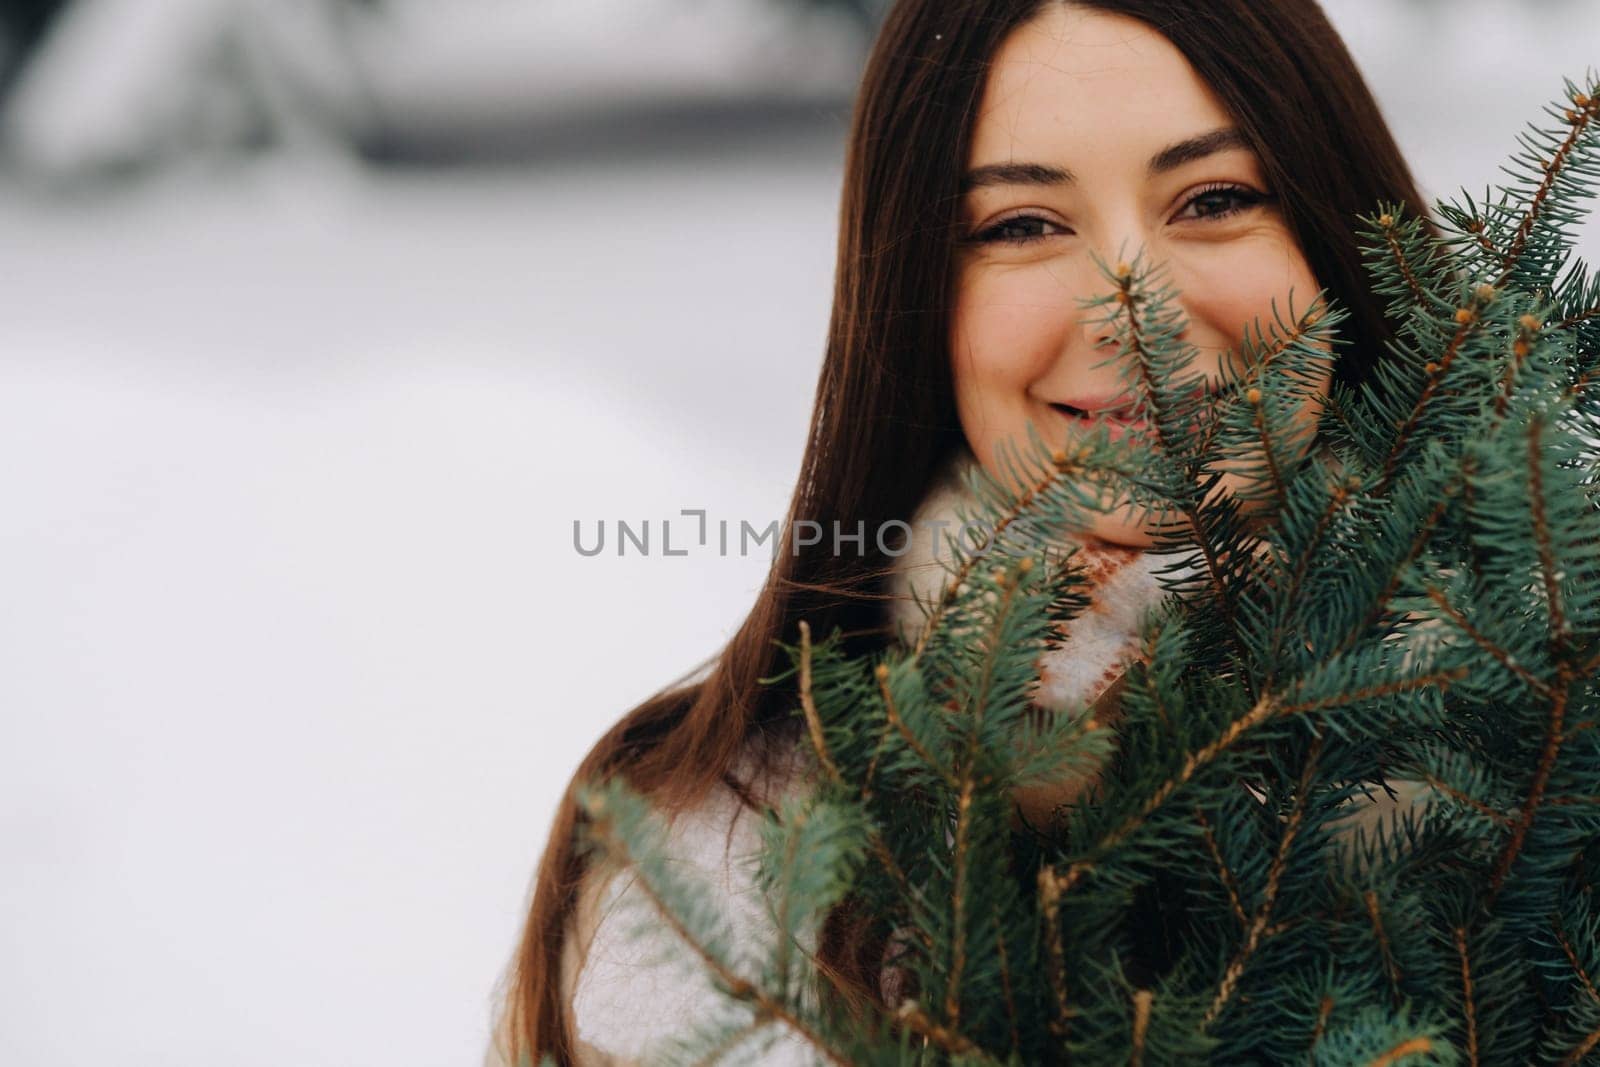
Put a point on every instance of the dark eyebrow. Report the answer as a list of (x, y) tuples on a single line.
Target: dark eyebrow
[(1169, 158), (1176, 155), (1015, 174)]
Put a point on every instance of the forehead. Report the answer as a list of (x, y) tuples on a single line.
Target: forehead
[(1074, 83)]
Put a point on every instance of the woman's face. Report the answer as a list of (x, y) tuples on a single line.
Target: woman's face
[(1095, 135)]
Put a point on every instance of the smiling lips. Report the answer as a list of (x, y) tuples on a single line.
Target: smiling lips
[(1115, 411), (1117, 426)]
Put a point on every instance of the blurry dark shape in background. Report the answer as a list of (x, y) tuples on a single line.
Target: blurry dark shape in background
[(22, 23), (92, 91)]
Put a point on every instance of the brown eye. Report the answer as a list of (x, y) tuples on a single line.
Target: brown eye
[(1019, 229), (1221, 201)]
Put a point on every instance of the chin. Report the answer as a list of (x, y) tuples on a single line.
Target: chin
[(1122, 527), (1129, 527)]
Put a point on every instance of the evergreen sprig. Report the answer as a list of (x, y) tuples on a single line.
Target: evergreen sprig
[(1412, 597)]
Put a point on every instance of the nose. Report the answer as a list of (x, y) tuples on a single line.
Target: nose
[(1099, 373), (1098, 334), (1122, 239)]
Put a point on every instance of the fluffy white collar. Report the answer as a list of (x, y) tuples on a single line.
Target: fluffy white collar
[(1099, 643)]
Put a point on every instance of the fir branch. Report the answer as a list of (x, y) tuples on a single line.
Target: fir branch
[(791, 843), (872, 764), (1192, 727), (1336, 408), (1129, 299), (1469, 1002), (766, 1006), (880, 847), (1581, 316), (1380, 605), (968, 781), (1572, 957), (1063, 462), (1391, 968), (1461, 798), (1050, 889), (1336, 501), (1269, 897), (1223, 872), (1005, 979), (1387, 221), (1541, 778), (882, 675), (1278, 489), (1468, 320), (1582, 117), (1541, 535), (1483, 641), (1148, 651), (1528, 328), (809, 705), (1267, 709), (1468, 317), (1263, 711), (1587, 668), (1405, 685), (958, 948), (1476, 229), (1283, 343)]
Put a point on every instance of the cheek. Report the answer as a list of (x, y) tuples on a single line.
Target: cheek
[(1006, 329), (1229, 287)]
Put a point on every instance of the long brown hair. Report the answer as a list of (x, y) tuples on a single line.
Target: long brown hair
[(884, 414)]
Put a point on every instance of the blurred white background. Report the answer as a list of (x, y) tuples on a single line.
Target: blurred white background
[(323, 323)]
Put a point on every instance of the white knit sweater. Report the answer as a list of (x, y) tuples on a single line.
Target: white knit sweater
[(629, 996)]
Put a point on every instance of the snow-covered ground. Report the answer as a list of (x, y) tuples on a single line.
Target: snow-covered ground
[(296, 653)]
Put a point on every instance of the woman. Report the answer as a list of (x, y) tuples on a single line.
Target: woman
[(996, 146)]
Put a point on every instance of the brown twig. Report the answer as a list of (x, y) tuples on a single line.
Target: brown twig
[(1050, 889), (1324, 1009), (1411, 1046), (1404, 264), (1222, 869), (1462, 798), (1541, 779), (1390, 967), (899, 724), (1142, 999), (1005, 980), (1413, 552), (1572, 958), (1503, 657), (1269, 897), (1541, 536), (1581, 119), (809, 705), (911, 1014), (1469, 1004)]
